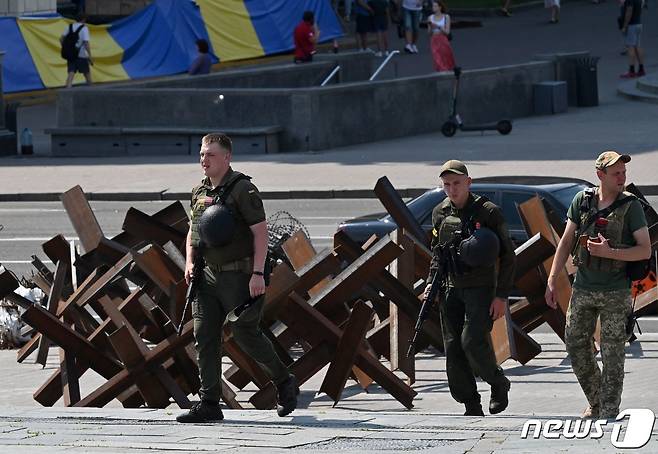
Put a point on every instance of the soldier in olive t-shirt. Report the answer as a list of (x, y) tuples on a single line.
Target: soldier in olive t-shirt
[(614, 233)]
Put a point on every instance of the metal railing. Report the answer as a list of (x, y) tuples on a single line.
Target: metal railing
[(330, 76), (384, 63)]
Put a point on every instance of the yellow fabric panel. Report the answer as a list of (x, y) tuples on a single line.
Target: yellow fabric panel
[(42, 39), (230, 29)]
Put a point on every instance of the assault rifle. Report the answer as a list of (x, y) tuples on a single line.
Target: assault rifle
[(193, 288), (448, 265)]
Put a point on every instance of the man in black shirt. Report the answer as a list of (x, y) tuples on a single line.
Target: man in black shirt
[(631, 27)]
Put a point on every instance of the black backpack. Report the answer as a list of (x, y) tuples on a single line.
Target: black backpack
[(70, 47)]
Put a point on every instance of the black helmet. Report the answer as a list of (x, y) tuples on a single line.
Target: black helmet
[(216, 226), (480, 249)]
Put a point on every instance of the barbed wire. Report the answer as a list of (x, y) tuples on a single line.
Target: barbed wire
[(281, 226)]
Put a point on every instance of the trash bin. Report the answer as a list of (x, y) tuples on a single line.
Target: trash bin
[(587, 80)]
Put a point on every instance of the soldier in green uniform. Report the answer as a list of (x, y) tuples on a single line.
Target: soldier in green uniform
[(474, 296), (616, 233), (234, 273)]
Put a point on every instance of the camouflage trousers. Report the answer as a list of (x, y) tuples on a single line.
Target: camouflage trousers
[(601, 387)]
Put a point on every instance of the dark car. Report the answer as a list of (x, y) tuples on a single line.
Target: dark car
[(558, 197)]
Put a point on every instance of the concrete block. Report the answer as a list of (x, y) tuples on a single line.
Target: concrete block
[(84, 145), (550, 97), (157, 144)]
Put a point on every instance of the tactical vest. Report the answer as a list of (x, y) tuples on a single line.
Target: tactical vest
[(452, 223), (613, 232), (242, 244)]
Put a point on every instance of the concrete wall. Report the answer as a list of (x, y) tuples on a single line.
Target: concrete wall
[(319, 117), (21, 7), (354, 67)]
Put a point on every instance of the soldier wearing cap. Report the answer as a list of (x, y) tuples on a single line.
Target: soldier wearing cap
[(474, 296), (234, 273), (606, 228)]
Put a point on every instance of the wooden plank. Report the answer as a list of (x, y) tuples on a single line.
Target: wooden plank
[(379, 338), (398, 210), (401, 326), (122, 380), (535, 221), (152, 264), (300, 251), (526, 347), (502, 338), (173, 215), (315, 324), (8, 283), (132, 354), (532, 254), (93, 289), (61, 271), (70, 340), (352, 336), (50, 391), (82, 217), (141, 225), (356, 275), (69, 378), (394, 290)]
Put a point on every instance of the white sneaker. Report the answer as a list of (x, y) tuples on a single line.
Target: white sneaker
[(409, 49), (414, 48), (386, 53), (379, 53)]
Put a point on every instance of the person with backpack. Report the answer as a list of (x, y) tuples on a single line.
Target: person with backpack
[(607, 235), (76, 49)]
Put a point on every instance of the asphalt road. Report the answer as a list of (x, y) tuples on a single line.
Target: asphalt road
[(26, 225)]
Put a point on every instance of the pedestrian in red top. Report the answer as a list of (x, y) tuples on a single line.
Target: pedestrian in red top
[(306, 35)]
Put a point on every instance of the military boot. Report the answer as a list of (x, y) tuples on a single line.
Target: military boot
[(200, 412), (499, 400), (286, 396), (473, 408)]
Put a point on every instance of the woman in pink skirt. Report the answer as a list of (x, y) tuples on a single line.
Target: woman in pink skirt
[(439, 28)]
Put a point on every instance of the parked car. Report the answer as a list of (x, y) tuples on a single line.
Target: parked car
[(557, 196)]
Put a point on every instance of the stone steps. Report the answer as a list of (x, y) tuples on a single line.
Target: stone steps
[(643, 89)]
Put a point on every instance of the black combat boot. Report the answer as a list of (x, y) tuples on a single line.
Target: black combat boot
[(203, 411), (286, 396), (473, 408), (499, 400)]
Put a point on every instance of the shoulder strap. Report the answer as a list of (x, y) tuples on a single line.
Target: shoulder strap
[(606, 211), (226, 190)]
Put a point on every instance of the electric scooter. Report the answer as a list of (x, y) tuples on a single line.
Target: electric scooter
[(455, 122)]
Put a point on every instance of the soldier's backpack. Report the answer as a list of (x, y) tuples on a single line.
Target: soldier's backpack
[(70, 47)]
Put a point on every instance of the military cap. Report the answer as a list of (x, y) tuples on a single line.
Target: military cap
[(453, 166), (608, 158)]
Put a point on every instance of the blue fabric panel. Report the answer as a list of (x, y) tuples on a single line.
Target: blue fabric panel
[(275, 21), (18, 70), (186, 25), (149, 47)]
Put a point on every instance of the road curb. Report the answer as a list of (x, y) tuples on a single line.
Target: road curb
[(647, 190)]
